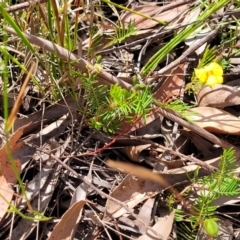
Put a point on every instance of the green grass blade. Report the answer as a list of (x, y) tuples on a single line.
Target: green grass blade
[(166, 49), (11, 22)]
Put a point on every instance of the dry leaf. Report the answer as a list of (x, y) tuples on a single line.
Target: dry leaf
[(172, 86), (63, 230), (135, 187), (216, 120), (7, 174), (219, 96), (163, 226), (155, 12), (197, 35), (7, 193), (138, 171), (134, 190), (41, 187), (145, 215), (131, 191)]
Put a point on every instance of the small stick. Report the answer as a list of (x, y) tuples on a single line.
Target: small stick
[(24, 5), (189, 158)]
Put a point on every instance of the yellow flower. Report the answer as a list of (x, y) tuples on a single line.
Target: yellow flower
[(210, 74)]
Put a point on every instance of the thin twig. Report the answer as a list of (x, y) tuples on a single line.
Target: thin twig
[(24, 5), (185, 157)]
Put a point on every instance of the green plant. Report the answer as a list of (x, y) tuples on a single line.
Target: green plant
[(209, 70), (222, 182), (107, 107), (121, 32), (209, 9)]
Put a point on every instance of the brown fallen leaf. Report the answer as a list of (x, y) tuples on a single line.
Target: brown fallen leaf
[(172, 86), (131, 191), (8, 176), (216, 120), (219, 96), (162, 226), (156, 12), (147, 183), (140, 185), (145, 214), (63, 229), (7, 193)]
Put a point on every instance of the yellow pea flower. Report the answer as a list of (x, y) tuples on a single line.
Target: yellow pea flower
[(210, 74)]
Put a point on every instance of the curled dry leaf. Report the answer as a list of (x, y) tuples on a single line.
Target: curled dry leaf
[(216, 120), (134, 152), (155, 12), (219, 96)]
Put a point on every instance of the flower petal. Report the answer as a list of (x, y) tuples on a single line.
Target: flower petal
[(219, 79), (214, 80), (216, 69), (201, 74)]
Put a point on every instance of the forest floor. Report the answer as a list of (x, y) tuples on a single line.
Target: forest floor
[(120, 120)]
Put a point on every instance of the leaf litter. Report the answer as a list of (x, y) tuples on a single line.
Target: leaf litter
[(72, 188)]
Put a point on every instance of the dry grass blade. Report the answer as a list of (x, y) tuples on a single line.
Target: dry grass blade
[(18, 102)]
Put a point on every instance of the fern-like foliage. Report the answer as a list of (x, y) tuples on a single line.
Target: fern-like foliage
[(178, 106), (107, 107), (185, 231), (222, 182)]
